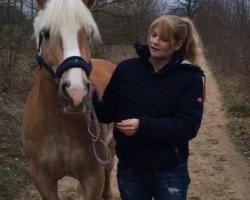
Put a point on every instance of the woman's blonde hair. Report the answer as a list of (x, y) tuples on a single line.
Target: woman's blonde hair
[(178, 28)]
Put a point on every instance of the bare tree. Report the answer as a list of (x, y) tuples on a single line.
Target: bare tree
[(124, 21), (225, 29), (14, 27), (186, 7)]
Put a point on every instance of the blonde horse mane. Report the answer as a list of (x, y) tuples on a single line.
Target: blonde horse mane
[(58, 15)]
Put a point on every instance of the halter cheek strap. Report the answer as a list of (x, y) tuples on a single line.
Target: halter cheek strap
[(46, 66)]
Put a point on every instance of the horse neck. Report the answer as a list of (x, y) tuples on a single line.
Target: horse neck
[(48, 89)]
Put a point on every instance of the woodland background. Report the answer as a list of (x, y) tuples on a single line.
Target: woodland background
[(224, 27)]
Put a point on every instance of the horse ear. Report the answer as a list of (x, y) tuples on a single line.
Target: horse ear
[(89, 3), (41, 3)]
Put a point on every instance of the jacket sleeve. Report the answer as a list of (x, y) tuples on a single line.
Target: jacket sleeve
[(106, 108), (184, 125)]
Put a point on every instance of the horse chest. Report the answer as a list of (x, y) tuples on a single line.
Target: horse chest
[(62, 159)]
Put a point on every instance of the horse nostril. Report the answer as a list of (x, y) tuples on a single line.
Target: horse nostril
[(64, 87), (87, 86)]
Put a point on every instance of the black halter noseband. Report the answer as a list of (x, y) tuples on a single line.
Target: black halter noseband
[(71, 62)]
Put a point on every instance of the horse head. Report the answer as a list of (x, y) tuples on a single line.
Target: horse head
[(64, 32)]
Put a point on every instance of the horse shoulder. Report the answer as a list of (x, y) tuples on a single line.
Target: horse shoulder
[(101, 73)]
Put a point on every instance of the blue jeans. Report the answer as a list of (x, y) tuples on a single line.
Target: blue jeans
[(170, 184)]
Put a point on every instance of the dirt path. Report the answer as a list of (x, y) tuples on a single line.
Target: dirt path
[(217, 171)]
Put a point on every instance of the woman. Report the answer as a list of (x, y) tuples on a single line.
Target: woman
[(156, 101)]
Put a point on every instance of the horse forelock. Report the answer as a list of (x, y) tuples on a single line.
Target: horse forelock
[(64, 14)]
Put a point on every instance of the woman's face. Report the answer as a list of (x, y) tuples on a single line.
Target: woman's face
[(162, 46)]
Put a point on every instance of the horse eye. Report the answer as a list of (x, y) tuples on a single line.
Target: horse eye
[(46, 35), (92, 33)]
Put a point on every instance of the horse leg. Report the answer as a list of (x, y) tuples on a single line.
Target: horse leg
[(44, 184), (107, 192), (91, 185)]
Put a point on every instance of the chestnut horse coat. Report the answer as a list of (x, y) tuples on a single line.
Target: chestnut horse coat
[(58, 144)]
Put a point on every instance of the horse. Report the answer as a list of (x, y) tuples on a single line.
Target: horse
[(58, 132)]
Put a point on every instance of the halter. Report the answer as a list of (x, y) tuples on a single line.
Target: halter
[(71, 62)]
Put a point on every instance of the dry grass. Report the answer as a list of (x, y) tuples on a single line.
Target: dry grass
[(16, 74), (12, 165), (238, 111)]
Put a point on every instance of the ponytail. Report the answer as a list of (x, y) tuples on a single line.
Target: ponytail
[(194, 47)]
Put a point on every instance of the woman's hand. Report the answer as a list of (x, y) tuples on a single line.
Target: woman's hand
[(128, 126)]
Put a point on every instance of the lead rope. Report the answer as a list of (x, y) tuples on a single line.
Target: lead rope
[(90, 112)]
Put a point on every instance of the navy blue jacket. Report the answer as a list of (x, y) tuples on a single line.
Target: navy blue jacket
[(169, 105)]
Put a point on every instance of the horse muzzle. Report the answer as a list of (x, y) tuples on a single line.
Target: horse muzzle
[(73, 98)]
